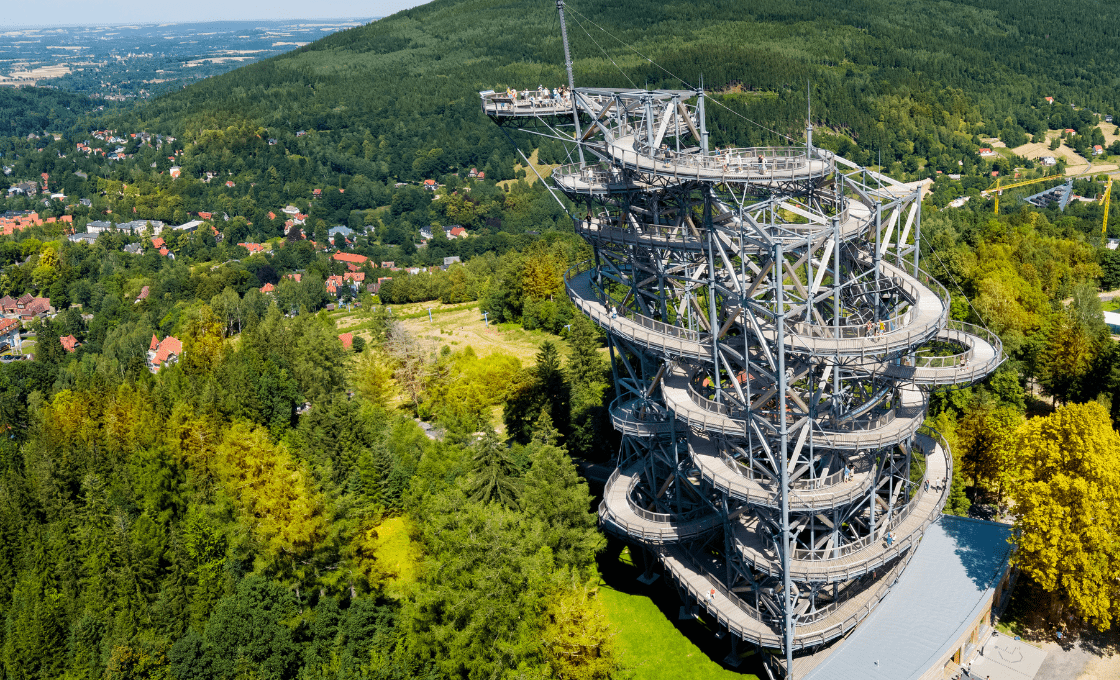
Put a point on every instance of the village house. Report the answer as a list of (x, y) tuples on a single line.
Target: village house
[(9, 335), (69, 343), (24, 189), (253, 247), (163, 353), (268, 288), (142, 296)]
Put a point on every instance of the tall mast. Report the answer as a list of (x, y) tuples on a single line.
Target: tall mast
[(571, 80), (809, 119)]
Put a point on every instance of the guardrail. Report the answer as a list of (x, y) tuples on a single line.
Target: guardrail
[(523, 102), (897, 546), (602, 229), (760, 160), (612, 310), (860, 424), (675, 527), (635, 425), (591, 174), (958, 332)]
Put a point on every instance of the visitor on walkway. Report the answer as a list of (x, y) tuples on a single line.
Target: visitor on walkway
[(890, 539)]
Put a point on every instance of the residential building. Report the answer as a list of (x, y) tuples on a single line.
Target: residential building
[(253, 247), (163, 353), (1048, 161), (143, 295), (24, 189), (69, 343), (1097, 149), (350, 257), (448, 261), (83, 238), (99, 226), (189, 226), (9, 335), (268, 288), (175, 171), (430, 184)]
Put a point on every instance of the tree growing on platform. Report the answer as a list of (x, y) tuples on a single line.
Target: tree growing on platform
[(1068, 499)]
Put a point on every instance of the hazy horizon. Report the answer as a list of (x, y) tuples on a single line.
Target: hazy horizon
[(67, 13)]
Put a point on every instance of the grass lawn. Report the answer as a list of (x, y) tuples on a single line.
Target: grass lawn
[(653, 642)]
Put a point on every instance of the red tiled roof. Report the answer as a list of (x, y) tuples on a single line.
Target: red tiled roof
[(252, 247), (69, 342), (7, 325), (355, 276), (164, 251), (158, 242), (205, 215), (154, 344), (350, 257), (169, 347), (457, 231), (295, 277), (347, 340), (143, 293), (268, 288)]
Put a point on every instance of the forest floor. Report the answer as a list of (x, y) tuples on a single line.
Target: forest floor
[(655, 644)]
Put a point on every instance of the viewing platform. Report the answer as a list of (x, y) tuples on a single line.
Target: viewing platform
[(756, 165)]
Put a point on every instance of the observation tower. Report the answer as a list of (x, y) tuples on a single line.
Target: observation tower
[(773, 342)]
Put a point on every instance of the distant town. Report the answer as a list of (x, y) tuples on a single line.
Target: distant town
[(119, 62)]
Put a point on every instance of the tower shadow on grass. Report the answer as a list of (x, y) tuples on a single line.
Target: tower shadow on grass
[(621, 574)]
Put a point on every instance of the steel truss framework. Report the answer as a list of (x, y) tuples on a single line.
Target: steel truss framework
[(773, 342)]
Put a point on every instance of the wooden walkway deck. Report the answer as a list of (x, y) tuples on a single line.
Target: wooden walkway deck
[(758, 550), (731, 169), (619, 511), (720, 474), (628, 418), (633, 327), (740, 617), (878, 433)]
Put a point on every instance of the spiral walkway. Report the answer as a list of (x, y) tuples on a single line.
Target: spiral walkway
[(773, 343)]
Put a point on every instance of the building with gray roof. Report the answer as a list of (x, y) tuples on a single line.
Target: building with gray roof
[(937, 614)]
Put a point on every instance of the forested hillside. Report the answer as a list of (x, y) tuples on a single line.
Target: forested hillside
[(271, 505), (399, 97)]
